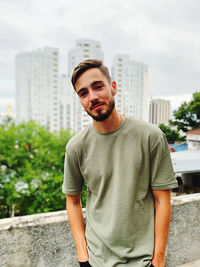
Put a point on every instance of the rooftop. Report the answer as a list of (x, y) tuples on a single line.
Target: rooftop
[(187, 161), (194, 131)]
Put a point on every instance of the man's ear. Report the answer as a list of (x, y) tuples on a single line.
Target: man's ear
[(114, 88)]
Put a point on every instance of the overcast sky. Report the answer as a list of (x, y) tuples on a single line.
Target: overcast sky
[(164, 34)]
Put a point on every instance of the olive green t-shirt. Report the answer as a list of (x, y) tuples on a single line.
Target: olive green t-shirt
[(121, 169)]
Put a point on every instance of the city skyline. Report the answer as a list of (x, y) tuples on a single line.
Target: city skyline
[(44, 95), (162, 34)]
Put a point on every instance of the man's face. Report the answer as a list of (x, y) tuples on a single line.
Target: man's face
[(96, 94)]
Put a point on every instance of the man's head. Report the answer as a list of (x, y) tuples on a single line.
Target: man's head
[(92, 83), (89, 64)]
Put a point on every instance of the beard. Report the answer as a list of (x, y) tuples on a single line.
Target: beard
[(103, 116)]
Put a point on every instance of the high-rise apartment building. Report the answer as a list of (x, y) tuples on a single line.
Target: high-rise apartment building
[(159, 111), (37, 88), (65, 105), (84, 49), (132, 86)]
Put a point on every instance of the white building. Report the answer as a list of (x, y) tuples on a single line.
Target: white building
[(84, 49), (132, 86), (193, 139), (66, 100), (186, 164), (37, 88), (159, 111), (8, 115)]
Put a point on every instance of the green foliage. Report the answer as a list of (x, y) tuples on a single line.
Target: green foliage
[(171, 135), (84, 195), (187, 116), (31, 169)]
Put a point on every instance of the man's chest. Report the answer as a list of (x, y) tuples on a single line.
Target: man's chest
[(120, 161)]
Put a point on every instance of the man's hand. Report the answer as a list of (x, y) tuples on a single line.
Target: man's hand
[(158, 262)]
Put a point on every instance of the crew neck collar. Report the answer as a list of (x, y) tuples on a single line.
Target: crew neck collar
[(112, 132)]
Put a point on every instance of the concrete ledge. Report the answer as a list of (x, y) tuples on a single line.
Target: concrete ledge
[(45, 240), (41, 240), (191, 264), (184, 236), (183, 199), (34, 220)]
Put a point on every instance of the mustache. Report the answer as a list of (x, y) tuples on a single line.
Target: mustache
[(95, 103)]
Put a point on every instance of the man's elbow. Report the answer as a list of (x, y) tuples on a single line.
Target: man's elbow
[(73, 199)]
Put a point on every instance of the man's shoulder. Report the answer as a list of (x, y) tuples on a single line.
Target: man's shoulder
[(144, 128), (78, 140)]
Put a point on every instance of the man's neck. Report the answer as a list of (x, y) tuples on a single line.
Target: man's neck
[(110, 124)]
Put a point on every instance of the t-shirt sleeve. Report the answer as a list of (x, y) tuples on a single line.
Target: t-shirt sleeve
[(162, 173), (73, 180)]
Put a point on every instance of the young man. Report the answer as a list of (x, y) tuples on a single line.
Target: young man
[(127, 166)]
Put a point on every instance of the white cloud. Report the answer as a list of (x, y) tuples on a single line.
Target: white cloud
[(163, 34)]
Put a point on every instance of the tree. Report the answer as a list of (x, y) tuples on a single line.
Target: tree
[(31, 169), (171, 135), (187, 116)]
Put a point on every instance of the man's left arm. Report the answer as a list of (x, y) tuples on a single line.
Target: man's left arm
[(162, 221)]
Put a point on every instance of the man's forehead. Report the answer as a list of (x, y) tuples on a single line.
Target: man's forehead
[(94, 72), (90, 77)]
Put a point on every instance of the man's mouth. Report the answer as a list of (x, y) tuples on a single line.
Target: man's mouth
[(97, 106)]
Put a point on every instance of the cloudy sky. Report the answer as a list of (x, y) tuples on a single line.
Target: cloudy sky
[(164, 34)]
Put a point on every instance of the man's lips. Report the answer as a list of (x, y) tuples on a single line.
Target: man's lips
[(97, 106)]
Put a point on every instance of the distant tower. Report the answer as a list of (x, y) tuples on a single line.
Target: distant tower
[(37, 88), (9, 111), (66, 97), (132, 86), (159, 111), (8, 115), (84, 49)]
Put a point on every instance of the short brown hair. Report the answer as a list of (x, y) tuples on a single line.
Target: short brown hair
[(89, 64)]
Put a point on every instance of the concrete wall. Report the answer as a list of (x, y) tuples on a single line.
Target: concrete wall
[(184, 235), (45, 240)]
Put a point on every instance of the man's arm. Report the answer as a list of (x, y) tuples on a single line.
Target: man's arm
[(76, 221), (162, 222)]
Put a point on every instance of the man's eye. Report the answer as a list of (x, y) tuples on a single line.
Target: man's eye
[(99, 87), (83, 94)]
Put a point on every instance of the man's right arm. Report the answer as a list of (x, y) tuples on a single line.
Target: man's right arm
[(76, 221)]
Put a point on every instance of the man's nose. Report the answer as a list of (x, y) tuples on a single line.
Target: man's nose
[(93, 96)]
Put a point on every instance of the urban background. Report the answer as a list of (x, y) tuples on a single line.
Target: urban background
[(152, 52)]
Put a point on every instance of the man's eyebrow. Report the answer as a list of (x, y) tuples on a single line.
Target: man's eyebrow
[(81, 90), (96, 82)]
